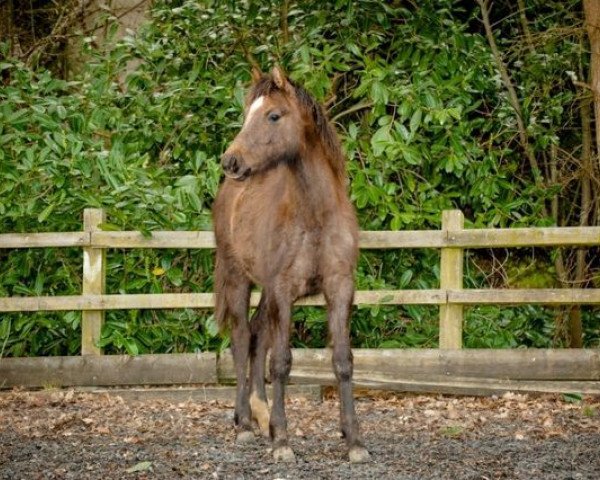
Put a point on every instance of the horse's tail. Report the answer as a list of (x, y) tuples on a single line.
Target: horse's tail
[(259, 318), (221, 316)]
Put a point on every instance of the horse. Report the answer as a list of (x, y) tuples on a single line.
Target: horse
[(283, 221)]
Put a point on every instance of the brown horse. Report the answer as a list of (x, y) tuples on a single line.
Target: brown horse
[(283, 221)]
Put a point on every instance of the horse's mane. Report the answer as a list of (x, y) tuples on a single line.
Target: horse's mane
[(266, 85)]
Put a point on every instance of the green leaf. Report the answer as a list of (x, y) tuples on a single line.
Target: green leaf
[(406, 278), (45, 213), (415, 120), (572, 397), (411, 156), (131, 346), (379, 92), (352, 47), (195, 201), (175, 275), (380, 140), (62, 112), (109, 227), (353, 131), (211, 326), (188, 181)]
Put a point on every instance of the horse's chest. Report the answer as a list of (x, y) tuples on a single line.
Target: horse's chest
[(267, 249)]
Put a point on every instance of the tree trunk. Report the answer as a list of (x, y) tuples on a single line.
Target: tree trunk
[(513, 98), (589, 164), (576, 328), (592, 23), (283, 16), (7, 30)]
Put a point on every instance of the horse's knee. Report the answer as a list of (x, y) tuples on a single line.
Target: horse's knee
[(281, 364)]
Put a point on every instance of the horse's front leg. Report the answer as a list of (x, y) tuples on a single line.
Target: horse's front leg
[(279, 313), (339, 292), (240, 341), (260, 331), (237, 297)]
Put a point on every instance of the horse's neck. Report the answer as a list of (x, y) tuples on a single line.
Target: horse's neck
[(317, 181)]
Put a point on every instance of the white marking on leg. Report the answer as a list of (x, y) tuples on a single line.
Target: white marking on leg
[(256, 104), (260, 412)]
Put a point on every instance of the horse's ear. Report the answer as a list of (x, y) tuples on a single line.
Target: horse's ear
[(256, 74), (280, 79)]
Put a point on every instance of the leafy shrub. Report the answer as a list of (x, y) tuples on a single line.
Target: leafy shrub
[(413, 91)]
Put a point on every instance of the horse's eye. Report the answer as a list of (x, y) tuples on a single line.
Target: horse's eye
[(273, 117)]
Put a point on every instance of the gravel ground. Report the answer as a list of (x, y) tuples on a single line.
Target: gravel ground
[(68, 435)]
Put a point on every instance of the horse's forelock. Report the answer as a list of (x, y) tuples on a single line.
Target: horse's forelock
[(266, 85)]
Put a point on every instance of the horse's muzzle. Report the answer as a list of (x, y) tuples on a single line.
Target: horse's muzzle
[(234, 166)]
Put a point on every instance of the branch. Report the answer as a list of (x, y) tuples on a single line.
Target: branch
[(512, 93), (525, 25), (240, 40), (115, 17), (130, 9), (352, 109), (585, 86), (285, 33), (62, 25)]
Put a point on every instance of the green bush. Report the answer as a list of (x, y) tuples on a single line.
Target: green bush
[(414, 93)]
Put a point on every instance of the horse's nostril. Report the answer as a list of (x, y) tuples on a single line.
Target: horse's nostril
[(234, 166), (230, 162)]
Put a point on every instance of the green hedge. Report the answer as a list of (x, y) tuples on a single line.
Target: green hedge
[(424, 120)]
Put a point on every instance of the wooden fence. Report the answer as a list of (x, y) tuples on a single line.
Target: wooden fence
[(447, 369)]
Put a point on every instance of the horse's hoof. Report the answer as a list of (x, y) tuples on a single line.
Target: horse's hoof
[(359, 455), (245, 436), (284, 454)]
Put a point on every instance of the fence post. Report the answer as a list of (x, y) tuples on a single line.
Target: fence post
[(94, 275), (451, 278)]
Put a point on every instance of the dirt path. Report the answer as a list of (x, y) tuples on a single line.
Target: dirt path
[(67, 435)]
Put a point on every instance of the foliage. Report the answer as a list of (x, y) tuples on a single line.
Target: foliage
[(414, 92)]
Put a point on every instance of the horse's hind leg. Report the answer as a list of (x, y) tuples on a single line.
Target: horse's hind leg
[(279, 309), (259, 345), (339, 291), (233, 297)]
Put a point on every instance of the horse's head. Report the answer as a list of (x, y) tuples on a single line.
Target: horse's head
[(273, 130)]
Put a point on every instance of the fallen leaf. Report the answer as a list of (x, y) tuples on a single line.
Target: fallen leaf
[(140, 467), (132, 440), (548, 422)]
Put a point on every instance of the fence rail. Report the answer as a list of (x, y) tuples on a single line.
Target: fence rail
[(473, 371), (475, 238), (452, 239), (167, 301)]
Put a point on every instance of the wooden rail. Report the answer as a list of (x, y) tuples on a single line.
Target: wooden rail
[(452, 240), (472, 371)]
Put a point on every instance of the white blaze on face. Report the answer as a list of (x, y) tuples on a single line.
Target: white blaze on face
[(256, 104)]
